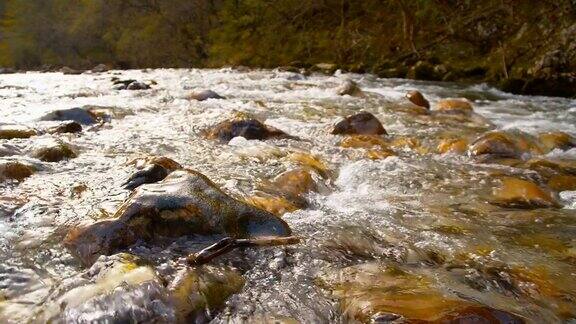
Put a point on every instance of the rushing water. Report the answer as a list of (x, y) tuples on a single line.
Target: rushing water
[(422, 213)]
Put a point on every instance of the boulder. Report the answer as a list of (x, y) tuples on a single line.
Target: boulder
[(361, 123), (66, 127), (496, 143), (77, 114), (418, 99), (459, 106), (100, 68), (70, 71), (129, 84), (15, 170), (349, 88), (364, 141), (204, 95), (155, 169), (10, 131), (562, 183), (326, 68), (137, 85), (556, 140), (273, 204), (453, 145), (519, 193), (184, 203), (52, 150), (244, 126)]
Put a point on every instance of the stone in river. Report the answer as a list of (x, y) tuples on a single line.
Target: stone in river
[(361, 123), (562, 183), (497, 143), (77, 114), (288, 190), (244, 126), (519, 193), (350, 88), (418, 99), (460, 106), (154, 170), (10, 131), (453, 145), (137, 85), (15, 170), (52, 150), (184, 203), (556, 140), (205, 95), (66, 127)]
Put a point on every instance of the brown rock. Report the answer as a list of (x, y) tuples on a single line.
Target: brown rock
[(518, 193), (245, 126), (275, 205), (496, 143), (461, 106), (66, 127), (184, 203), (15, 170), (453, 145), (418, 99), (10, 131), (556, 140), (52, 150), (295, 182), (349, 88), (364, 141), (153, 169), (362, 123), (562, 182)]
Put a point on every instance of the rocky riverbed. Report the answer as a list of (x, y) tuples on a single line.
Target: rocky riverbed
[(412, 201)]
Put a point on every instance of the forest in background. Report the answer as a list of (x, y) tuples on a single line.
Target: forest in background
[(524, 46)]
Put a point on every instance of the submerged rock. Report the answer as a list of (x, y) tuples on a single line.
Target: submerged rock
[(495, 143), (460, 106), (154, 170), (418, 99), (518, 193), (15, 170), (362, 123), (77, 114), (273, 204), (453, 145), (244, 126), (349, 88), (52, 150), (364, 141), (184, 203), (556, 140), (205, 95), (66, 127), (10, 131)]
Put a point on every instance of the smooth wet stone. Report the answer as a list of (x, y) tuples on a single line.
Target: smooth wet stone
[(350, 88), (155, 169), (556, 140), (418, 99), (548, 168), (70, 71), (137, 85), (518, 193), (77, 114), (15, 170), (184, 203), (194, 290), (369, 289), (364, 141), (453, 145), (66, 127), (461, 106), (406, 142), (244, 126), (205, 95), (273, 204), (562, 183), (380, 154), (10, 131), (295, 183), (361, 123), (496, 143), (52, 150), (310, 161), (481, 314)]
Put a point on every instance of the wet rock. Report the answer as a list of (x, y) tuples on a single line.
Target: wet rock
[(460, 106), (481, 314), (272, 204), (379, 154), (9, 150), (205, 95), (364, 141), (66, 127), (129, 84), (562, 183), (155, 169), (453, 145), (311, 162), (15, 170), (195, 290), (369, 289), (244, 126), (496, 143), (52, 150), (326, 68), (77, 114), (70, 71), (184, 203), (295, 183), (137, 85), (100, 68), (418, 99), (556, 140), (362, 123), (518, 193), (10, 131), (349, 88)]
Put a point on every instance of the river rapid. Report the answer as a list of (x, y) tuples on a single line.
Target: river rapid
[(420, 235)]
